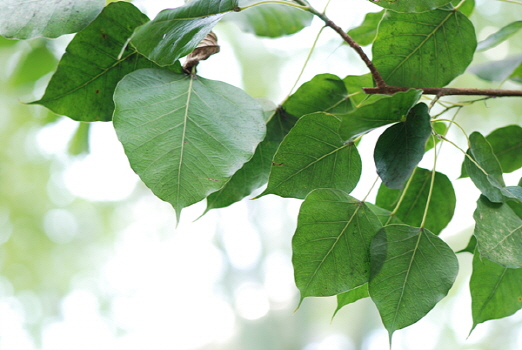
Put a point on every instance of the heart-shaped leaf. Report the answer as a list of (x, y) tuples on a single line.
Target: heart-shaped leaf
[(185, 136)]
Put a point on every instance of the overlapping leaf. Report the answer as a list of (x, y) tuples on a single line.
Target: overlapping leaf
[(496, 291), (185, 136), (498, 230), (331, 243), (50, 18), (411, 5), (411, 271), (377, 111), (506, 143), (423, 49), (83, 85), (311, 156), (355, 84), (174, 33), (366, 32), (351, 296), (401, 147), (413, 204)]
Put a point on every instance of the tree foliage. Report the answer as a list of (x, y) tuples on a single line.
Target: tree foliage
[(191, 138)]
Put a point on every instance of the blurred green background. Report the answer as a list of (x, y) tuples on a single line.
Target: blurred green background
[(90, 259)]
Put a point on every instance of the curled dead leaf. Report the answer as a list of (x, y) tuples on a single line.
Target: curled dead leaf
[(206, 48)]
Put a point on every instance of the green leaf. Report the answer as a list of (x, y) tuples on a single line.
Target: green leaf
[(470, 248), (324, 93), (498, 70), (366, 32), (79, 143), (377, 111), (500, 36), (466, 8), (49, 19), (174, 33), (496, 291), (401, 147), (411, 5), (411, 271), (83, 85), (31, 67), (423, 49), (271, 20), (499, 233), (351, 296), (311, 156), (506, 143), (385, 216), (440, 129), (411, 210), (517, 74), (331, 243), (185, 136), (355, 84), (481, 151), (254, 173)]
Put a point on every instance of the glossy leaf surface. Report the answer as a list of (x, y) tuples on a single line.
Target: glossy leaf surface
[(331, 243), (185, 136), (423, 49), (407, 263)]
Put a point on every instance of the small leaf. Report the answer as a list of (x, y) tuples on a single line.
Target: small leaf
[(79, 143), (496, 291), (411, 5), (331, 243), (351, 296), (185, 136), (312, 156), (366, 32), (401, 147), (499, 233), (355, 84), (324, 93), (500, 36), (174, 33), (378, 110), (411, 271), (271, 20), (423, 49), (470, 248), (411, 211), (497, 71), (481, 151), (506, 143), (49, 18)]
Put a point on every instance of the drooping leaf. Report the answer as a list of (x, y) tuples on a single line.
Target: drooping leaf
[(499, 233), (377, 111), (324, 93), (366, 32), (506, 143), (185, 136), (411, 271), (174, 33), (271, 20), (401, 147), (423, 49), (411, 5), (331, 243), (83, 85), (311, 156), (411, 210), (496, 291), (50, 18), (355, 84), (351, 296), (481, 151), (497, 70), (500, 36), (254, 173)]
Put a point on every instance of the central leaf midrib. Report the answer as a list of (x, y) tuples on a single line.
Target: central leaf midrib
[(182, 146)]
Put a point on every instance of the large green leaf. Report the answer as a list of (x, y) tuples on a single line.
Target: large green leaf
[(411, 271), (496, 291), (254, 173), (185, 136), (174, 33), (500, 36), (83, 85), (401, 147), (423, 49), (331, 243), (411, 5), (506, 143), (412, 207), (377, 111), (271, 20), (324, 93), (366, 32), (50, 18), (311, 156), (351, 296), (498, 230), (489, 184)]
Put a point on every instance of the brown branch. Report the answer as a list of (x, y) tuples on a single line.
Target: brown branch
[(389, 90)]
